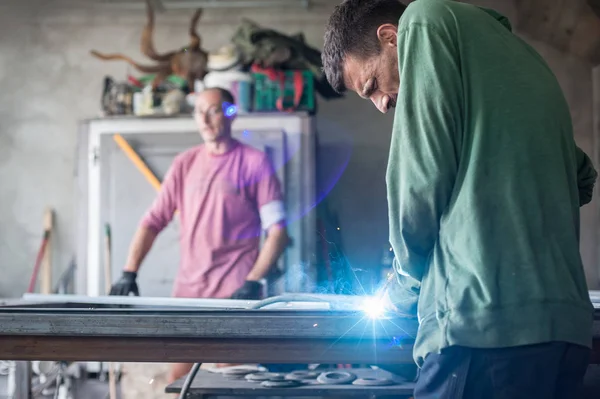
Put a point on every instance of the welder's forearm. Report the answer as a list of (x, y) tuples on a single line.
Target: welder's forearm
[(274, 245), (140, 246)]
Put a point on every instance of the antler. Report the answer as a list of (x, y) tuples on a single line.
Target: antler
[(147, 44), (196, 41), (141, 68)]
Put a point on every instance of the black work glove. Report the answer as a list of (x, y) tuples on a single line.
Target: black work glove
[(250, 290), (125, 285)]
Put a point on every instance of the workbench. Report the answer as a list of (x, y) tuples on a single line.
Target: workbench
[(208, 385), (223, 332), (121, 329), (128, 329)]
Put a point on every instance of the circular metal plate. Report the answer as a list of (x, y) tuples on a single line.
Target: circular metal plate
[(310, 382), (280, 384), (236, 372), (258, 377), (301, 375), (336, 378), (372, 382)]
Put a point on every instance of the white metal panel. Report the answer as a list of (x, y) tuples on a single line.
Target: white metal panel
[(298, 178)]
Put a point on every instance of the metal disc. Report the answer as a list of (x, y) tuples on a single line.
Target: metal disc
[(236, 372), (280, 384), (301, 375), (234, 376), (372, 381), (310, 382), (257, 377), (336, 378)]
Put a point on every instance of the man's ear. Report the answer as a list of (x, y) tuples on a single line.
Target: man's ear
[(387, 35)]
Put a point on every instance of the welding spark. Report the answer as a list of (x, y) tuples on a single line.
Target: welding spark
[(374, 307)]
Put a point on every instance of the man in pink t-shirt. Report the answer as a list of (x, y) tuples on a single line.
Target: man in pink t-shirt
[(226, 194)]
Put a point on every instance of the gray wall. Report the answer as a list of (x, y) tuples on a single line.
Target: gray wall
[(49, 82)]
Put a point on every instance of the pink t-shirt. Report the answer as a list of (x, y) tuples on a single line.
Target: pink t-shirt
[(220, 199)]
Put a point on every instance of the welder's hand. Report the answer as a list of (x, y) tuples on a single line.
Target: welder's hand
[(402, 296), (250, 290), (125, 285)]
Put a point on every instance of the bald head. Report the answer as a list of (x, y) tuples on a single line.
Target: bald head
[(210, 114), (223, 95)]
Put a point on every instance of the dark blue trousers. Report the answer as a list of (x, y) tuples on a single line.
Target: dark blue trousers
[(547, 371)]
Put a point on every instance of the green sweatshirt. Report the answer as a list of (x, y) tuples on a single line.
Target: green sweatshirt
[(484, 186)]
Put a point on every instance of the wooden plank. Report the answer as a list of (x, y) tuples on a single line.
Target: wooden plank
[(187, 350), (46, 277)]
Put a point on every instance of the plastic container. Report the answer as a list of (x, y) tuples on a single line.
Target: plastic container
[(279, 91)]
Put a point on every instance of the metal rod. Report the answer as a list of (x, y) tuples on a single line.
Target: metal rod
[(191, 4), (22, 380), (179, 5), (141, 301), (285, 301)]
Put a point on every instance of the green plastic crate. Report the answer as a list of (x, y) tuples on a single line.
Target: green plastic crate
[(267, 91)]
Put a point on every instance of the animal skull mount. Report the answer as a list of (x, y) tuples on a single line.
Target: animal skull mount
[(189, 63)]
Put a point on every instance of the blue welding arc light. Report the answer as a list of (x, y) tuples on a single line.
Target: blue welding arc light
[(229, 109)]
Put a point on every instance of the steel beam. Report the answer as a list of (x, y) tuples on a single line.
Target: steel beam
[(249, 324), (189, 350)]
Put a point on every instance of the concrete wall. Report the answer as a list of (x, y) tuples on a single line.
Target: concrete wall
[(49, 82)]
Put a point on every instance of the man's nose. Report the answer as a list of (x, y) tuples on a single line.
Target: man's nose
[(379, 104)]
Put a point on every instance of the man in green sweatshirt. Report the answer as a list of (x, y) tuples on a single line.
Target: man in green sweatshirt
[(484, 186)]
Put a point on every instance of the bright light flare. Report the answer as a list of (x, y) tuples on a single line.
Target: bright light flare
[(374, 307), (229, 109)]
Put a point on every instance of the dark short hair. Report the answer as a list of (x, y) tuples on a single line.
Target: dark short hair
[(226, 95), (352, 29)]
